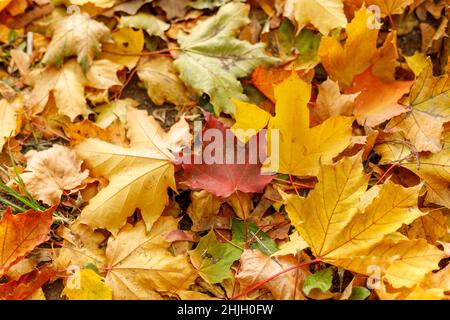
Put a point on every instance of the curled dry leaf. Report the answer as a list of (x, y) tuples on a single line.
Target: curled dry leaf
[(51, 172)]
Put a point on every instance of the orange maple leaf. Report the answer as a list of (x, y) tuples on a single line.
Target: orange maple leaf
[(21, 233)]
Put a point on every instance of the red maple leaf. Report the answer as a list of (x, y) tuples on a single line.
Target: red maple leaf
[(223, 179)]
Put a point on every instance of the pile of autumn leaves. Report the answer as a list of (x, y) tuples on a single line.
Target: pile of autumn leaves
[(388, 219)]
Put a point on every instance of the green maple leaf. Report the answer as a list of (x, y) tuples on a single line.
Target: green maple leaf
[(212, 59)]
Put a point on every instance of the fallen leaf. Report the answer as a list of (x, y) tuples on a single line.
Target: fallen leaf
[(212, 259), (297, 155), (330, 102), (9, 119), (151, 24), (51, 172), (86, 284), (67, 85), (256, 267), (126, 49), (116, 110), (359, 52), (208, 59), (390, 7), (76, 35), (377, 101), (26, 286), (216, 173), (21, 233), (325, 15), (138, 176), (163, 83), (135, 250), (429, 100)]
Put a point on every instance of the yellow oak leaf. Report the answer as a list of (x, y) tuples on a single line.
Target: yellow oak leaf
[(9, 119), (138, 176), (162, 82), (429, 100), (140, 266), (325, 15), (86, 284), (300, 146), (331, 224), (76, 34), (51, 172)]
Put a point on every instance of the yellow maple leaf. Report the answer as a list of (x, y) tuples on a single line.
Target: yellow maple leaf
[(76, 34), (300, 146), (432, 168), (339, 235), (140, 266), (359, 52), (138, 176), (330, 102), (429, 100), (390, 7), (325, 15), (402, 263), (67, 84), (354, 237), (86, 284)]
